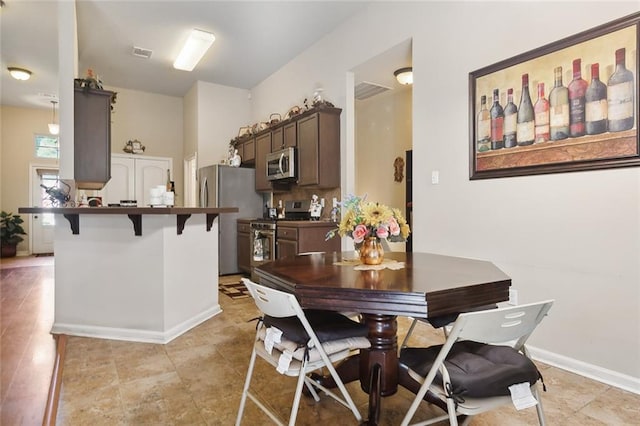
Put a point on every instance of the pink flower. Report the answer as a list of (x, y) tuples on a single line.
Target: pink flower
[(394, 228), (359, 232), (382, 232)]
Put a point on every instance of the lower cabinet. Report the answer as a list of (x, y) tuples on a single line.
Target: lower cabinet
[(305, 236), (133, 177), (244, 245)]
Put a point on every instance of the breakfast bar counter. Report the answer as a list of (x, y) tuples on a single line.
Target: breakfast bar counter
[(144, 274)]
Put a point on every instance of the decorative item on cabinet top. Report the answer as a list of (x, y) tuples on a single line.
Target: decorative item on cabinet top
[(92, 81), (134, 147)]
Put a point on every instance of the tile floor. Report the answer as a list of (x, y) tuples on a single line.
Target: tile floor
[(197, 378)]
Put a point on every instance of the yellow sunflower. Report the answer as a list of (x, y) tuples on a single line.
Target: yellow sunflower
[(375, 214)]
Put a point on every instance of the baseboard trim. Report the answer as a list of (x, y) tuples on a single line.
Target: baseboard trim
[(135, 335), (609, 377)]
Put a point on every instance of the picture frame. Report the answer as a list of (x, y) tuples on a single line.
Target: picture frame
[(601, 131)]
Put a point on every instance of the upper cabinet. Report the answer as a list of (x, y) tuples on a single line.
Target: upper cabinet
[(92, 138), (318, 141), (316, 135), (284, 136), (263, 147)]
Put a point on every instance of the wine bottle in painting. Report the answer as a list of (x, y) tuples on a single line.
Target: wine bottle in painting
[(577, 90), (596, 104), (541, 109), (483, 131), (558, 108), (620, 96), (526, 117), (497, 122), (510, 121)]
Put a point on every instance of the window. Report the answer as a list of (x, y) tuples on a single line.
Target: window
[(47, 146)]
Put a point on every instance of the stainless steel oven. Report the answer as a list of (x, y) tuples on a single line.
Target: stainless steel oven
[(263, 243)]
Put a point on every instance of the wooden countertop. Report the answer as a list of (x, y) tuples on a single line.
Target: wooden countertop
[(307, 223), (72, 214), (128, 210)]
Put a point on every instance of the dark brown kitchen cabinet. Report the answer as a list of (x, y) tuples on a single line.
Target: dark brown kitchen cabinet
[(263, 147), (249, 151), (244, 245), (318, 141), (92, 138), (303, 237), (277, 139), (284, 136)]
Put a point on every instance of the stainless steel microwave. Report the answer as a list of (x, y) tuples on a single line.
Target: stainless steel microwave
[(281, 165)]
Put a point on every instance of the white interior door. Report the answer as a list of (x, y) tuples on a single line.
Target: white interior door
[(121, 186), (42, 225), (150, 173)]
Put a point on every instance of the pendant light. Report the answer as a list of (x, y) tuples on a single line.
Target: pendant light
[(404, 75), (54, 128)]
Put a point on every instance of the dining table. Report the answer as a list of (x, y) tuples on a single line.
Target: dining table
[(418, 285)]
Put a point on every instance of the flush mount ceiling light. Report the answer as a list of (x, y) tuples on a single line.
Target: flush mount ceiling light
[(19, 73), (404, 75), (193, 50), (54, 128)]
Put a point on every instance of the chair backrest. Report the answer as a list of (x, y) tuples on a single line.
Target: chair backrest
[(513, 323), (273, 302)]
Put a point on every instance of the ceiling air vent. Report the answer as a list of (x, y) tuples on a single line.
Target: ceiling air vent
[(367, 89), (141, 52)]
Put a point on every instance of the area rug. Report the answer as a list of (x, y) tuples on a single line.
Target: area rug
[(230, 285)]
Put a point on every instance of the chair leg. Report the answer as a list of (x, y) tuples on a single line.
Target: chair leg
[(297, 395), (539, 409), (406, 337), (451, 410), (245, 390)]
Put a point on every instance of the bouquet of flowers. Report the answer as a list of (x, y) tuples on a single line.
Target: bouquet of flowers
[(362, 219)]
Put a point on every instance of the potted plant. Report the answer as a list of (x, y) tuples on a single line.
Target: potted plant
[(10, 233)]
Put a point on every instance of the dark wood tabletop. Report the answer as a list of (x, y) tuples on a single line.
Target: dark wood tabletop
[(429, 285)]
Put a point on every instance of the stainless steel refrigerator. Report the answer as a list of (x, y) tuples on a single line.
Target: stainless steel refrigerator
[(225, 186)]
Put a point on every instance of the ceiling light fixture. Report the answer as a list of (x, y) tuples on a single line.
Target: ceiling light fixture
[(193, 50), (19, 73), (404, 75), (54, 128)]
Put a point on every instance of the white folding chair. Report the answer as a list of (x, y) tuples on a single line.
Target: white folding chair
[(444, 321), (303, 360), (470, 372)]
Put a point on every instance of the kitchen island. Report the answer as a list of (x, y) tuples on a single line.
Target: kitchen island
[(140, 274)]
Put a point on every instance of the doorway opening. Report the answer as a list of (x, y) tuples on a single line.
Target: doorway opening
[(42, 225)]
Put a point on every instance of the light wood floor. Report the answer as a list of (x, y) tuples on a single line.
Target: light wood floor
[(197, 378)]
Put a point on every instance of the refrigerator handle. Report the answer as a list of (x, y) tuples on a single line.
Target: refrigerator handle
[(204, 193)]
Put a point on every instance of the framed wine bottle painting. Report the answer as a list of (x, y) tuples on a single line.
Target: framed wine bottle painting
[(568, 106)]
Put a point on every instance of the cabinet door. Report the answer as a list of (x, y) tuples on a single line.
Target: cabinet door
[(92, 138), (149, 173), (308, 150), (290, 135), (277, 141), (249, 151), (263, 147), (244, 252), (121, 186), (286, 248)]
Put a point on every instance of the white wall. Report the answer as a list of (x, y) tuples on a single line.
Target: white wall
[(574, 237), (221, 110), (153, 119)]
